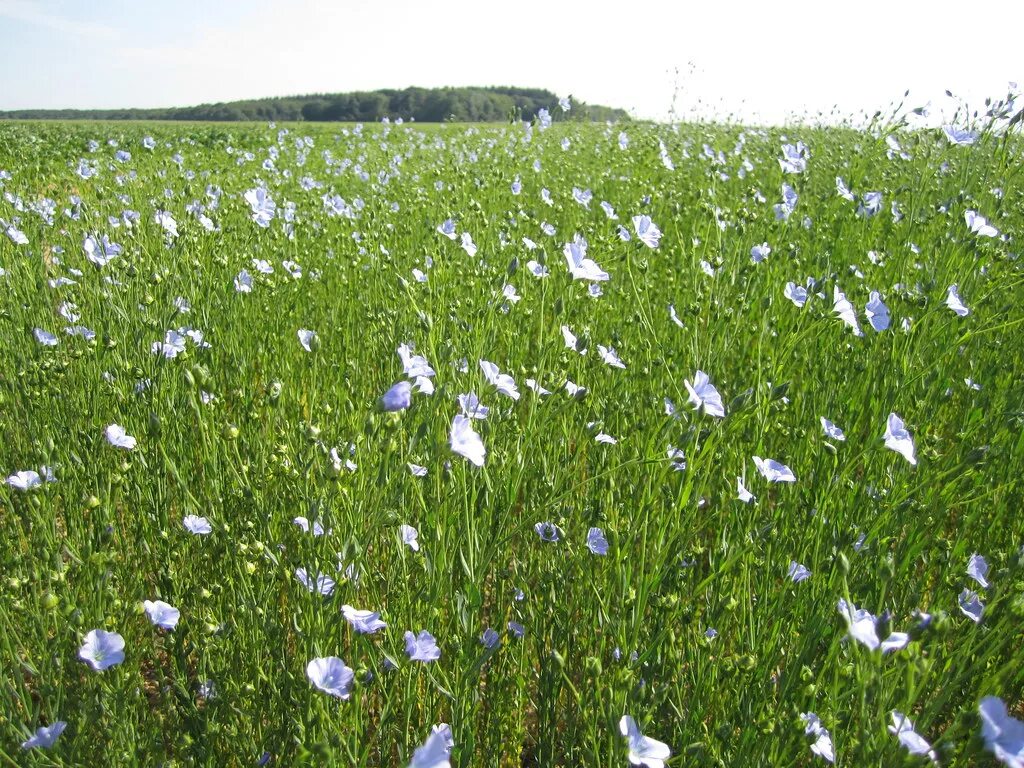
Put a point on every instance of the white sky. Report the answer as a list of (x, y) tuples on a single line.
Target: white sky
[(759, 61)]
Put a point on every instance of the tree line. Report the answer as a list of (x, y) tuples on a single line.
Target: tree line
[(423, 105)]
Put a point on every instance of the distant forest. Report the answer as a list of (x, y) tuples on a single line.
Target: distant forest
[(424, 105)]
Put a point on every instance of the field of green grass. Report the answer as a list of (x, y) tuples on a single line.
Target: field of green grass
[(554, 398)]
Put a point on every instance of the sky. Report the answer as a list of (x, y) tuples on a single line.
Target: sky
[(760, 62)]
